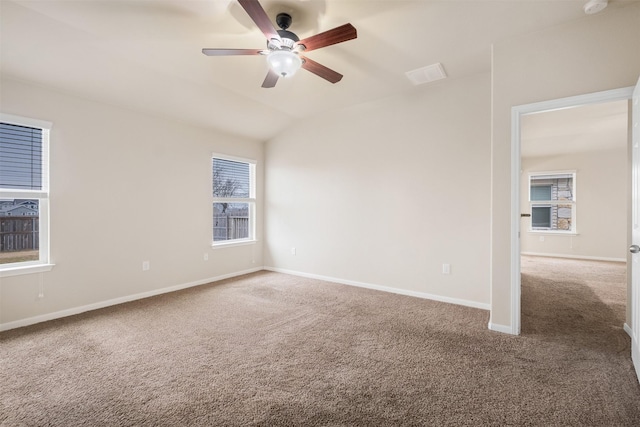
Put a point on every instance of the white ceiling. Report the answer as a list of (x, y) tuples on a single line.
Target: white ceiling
[(595, 127), (146, 54)]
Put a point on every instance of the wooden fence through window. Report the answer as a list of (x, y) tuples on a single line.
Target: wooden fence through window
[(20, 233), (227, 227)]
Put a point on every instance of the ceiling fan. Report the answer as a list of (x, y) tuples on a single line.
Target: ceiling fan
[(284, 48)]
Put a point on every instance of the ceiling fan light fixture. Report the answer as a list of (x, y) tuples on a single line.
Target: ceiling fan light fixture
[(284, 63), (595, 6), (284, 48)]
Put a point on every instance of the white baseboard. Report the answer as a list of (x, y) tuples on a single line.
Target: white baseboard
[(589, 258), (501, 328), (102, 304), (440, 298), (508, 330), (628, 330)]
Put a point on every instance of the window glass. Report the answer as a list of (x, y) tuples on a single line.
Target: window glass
[(541, 216), (19, 230), (540, 192), (230, 221)]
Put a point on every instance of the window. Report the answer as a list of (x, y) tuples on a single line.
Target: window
[(233, 200), (552, 197), (24, 194)]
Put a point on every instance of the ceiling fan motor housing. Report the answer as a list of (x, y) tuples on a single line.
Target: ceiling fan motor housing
[(288, 38), (288, 35)]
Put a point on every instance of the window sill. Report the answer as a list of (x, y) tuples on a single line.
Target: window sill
[(553, 233), (25, 269), (233, 243)]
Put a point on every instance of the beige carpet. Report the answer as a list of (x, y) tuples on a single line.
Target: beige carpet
[(274, 350)]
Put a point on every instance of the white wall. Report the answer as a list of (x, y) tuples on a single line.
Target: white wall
[(601, 207), (125, 187), (597, 53), (386, 192)]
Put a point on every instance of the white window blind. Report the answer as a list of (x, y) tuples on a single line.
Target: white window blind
[(231, 179), (20, 157)]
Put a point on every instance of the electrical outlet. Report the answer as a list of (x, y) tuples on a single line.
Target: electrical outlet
[(542, 238), (145, 265), (205, 256), (293, 251), (446, 268)]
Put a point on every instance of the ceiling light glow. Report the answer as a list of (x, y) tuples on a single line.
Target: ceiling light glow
[(595, 6), (284, 63)]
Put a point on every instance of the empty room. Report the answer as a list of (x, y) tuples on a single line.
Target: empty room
[(310, 212)]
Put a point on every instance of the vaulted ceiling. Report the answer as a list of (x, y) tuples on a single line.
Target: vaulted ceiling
[(146, 54)]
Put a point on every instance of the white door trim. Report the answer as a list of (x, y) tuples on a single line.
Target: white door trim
[(516, 116), (635, 229)]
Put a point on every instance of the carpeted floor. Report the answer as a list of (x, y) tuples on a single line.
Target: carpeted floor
[(269, 349)]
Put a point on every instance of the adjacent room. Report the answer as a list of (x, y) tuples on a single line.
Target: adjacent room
[(304, 212)]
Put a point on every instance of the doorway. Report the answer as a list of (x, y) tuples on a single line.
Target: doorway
[(574, 167), (517, 230)]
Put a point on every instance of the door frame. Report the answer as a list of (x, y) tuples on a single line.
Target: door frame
[(516, 117)]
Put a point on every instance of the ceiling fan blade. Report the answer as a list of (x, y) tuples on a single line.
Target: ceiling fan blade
[(225, 52), (337, 35), (271, 79), (259, 16), (320, 70)]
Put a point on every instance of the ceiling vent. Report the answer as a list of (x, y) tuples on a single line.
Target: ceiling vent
[(427, 74)]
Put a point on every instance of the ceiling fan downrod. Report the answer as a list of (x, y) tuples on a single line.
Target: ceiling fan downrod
[(288, 39)]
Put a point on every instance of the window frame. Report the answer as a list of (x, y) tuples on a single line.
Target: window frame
[(553, 203), (251, 201), (43, 196)]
